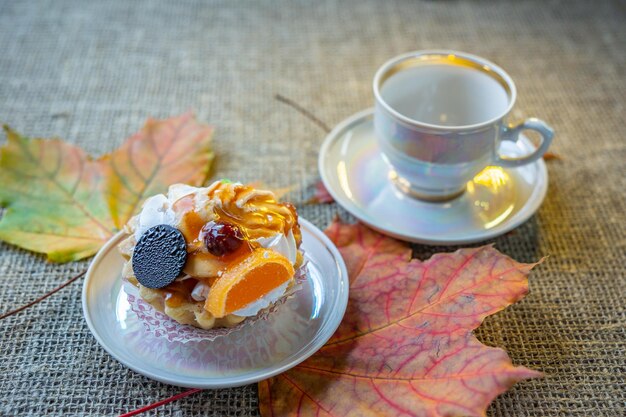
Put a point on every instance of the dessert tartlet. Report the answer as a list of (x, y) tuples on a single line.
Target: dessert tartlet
[(211, 257)]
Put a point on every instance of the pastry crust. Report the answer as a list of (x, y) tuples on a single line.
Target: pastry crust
[(188, 312)]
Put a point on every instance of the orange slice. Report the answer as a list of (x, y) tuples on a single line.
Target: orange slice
[(247, 281)]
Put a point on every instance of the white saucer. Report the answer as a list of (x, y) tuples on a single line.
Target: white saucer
[(496, 201), (268, 347)]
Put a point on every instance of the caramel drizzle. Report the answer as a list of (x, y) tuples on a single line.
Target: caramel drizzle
[(256, 212)]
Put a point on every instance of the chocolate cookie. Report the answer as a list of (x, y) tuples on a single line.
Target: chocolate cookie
[(159, 256)]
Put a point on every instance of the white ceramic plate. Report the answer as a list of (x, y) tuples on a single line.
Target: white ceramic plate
[(290, 335), (496, 201)]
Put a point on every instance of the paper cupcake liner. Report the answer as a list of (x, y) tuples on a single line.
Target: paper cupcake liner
[(161, 325)]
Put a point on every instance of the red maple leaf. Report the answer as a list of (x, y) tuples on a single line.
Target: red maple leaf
[(321, 195), (405, 346)]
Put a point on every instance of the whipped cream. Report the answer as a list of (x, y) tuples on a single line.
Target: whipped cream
[(285, 245), (178, 191), (156, 210)]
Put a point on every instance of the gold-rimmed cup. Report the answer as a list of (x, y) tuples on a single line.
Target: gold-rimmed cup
[(440, 117)]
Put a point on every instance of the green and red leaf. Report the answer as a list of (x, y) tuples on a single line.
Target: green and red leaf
[(61, 202)]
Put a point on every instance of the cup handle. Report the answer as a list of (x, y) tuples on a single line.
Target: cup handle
[(512, 133)]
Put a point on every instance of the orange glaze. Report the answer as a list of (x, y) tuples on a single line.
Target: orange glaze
[(179, 292), (244, 250), (191, 223), (248, 280), (191, 226), (257, 283)]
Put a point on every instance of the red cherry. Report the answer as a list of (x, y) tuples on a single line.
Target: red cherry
[(222, 238)]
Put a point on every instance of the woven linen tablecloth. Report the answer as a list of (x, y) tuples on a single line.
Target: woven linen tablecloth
[(91, 73)]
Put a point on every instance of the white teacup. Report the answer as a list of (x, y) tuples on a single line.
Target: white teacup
[(440, 118)]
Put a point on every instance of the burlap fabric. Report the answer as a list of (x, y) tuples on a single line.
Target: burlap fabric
[(92, 73)]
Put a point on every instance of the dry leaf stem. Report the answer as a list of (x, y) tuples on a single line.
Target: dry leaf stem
[(43, 297), (160, 403), (307, 113)]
